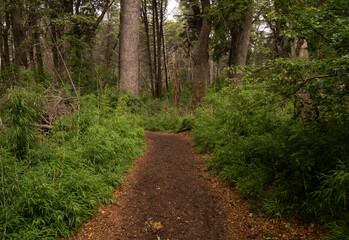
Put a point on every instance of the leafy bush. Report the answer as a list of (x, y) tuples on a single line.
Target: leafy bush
[(270, 150), (242, 129), (63, 177)]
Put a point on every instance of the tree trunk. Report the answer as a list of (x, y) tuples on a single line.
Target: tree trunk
[(201, 57), (109, 38), (240, 40), (77, 7), (176, 82), (211, 79), (158, 83), (154, 46), (57, 49), (38, 53), (34, 36), (5, 37), (163, 43), (280, 40), (18, 37), (1, 47), (150, 63), (299, 49), (129, 45)]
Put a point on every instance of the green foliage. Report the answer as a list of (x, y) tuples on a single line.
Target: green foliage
[(273, 150), (220, 82), (337, 230), (157, 116), (226, 17), (21, 110), (14, 77), (324, 25), (70, 172), (240, 127), (333, 192)]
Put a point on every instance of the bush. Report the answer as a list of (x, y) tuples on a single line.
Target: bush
[(269, 151)]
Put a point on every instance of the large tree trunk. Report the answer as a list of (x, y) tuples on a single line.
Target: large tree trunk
[(154, 46), (201, 57), (150, 63), (278, 28), (240, 40), (129, 41), (304, 102), (158, 82), (18, 37), (163, 41)]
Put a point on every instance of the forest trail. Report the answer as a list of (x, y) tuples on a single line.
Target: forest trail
[(168, 195)]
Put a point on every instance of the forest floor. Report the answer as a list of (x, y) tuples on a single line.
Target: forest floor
[(169, 195)]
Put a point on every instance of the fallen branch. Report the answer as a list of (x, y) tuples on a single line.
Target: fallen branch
[(44, 126)]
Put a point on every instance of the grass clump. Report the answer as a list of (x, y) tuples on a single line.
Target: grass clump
[(55, 184)]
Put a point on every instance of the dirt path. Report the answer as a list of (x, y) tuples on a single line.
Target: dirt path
[(168, 195)]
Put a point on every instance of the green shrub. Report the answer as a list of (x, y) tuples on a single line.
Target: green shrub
[(297, 166)]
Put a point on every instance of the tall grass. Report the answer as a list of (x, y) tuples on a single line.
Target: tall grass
[(56, 183)]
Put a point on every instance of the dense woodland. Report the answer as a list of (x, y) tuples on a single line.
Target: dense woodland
[(261, 84)]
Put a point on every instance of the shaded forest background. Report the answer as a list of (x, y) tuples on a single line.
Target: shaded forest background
[(262, 84)]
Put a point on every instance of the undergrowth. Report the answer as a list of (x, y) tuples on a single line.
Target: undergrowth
[(159, 116), (51, 185), (264, 146)]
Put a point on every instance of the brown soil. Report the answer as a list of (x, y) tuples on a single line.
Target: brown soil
[(168, 195)]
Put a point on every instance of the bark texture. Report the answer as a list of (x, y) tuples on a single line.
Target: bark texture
[(299, 49), (18, 37), (1, 47), (108, 54), (129, 45), (176, 82), (150, 63), (201, 55), (5, 36), (240, 40)]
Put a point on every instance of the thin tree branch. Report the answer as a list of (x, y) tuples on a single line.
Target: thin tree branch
[(105, 9), (301, 85)]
